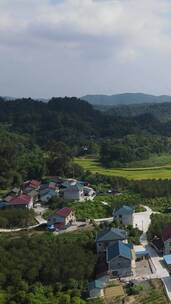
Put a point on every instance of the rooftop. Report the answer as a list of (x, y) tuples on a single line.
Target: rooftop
[(22, 199), (112, 234), (64, 212), (167, 259), (96, 284), (124, 210), (119, 249)]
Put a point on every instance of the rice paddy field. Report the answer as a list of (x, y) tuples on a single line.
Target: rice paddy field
[(138, 173)]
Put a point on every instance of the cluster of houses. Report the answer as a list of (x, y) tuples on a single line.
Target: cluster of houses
[(116, 257), (33, 191)]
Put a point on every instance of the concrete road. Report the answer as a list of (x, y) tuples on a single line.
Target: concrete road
[(142, 220)]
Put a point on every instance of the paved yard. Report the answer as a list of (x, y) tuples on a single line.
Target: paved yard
[(141, 220), (142, 268)]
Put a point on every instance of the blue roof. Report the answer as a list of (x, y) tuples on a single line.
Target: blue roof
[(95, 284), (124, 210), (119, 249), (167, 259)]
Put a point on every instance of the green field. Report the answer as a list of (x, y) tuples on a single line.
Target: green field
[(156, 172)]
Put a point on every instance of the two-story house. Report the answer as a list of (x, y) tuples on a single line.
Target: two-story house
[(108, 237), (62, 218), (124, 215), (74, 192), (119, 259)]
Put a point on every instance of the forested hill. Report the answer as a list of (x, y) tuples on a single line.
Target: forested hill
[(126, 98), (40, 138), (162, 111), (71, 120)]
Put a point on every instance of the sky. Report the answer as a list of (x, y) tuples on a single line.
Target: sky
[(78, 47)]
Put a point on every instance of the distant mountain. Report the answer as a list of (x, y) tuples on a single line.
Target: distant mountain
[(125, 99)]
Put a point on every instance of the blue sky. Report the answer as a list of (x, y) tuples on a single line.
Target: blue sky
[(77, 47)]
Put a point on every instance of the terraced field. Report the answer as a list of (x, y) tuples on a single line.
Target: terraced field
[(157, 172)]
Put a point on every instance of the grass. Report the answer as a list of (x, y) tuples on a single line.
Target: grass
[(152, 172), (154, 161)]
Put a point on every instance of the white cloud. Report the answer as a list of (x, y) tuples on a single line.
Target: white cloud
[(99, 34)]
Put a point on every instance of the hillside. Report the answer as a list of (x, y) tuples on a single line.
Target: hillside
[(63, 128), (161, 111), (125, 99)]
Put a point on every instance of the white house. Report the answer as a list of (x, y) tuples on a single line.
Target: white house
[(62, 218), (124, 215), (74, 192), (96, 289)]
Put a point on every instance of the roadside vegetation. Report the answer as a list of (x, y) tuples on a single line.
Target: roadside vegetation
[(16, 218)]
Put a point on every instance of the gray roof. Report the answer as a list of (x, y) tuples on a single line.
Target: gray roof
[(119, 249), (113, 234), (124, 210)]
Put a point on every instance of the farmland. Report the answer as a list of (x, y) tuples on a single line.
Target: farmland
[(155, 172)]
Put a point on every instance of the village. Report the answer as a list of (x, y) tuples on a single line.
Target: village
[(119, 260)]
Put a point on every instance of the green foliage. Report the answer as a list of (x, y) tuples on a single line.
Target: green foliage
[(16, 218), (131, 148), (45, 269), (158, 222)]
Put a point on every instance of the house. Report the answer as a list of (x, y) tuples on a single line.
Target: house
[(166, 237), (89, 193), (21, 201), (119, 259), (62, 218), (46, 195), (124, 215), (108, 237), (96, 289), (47, 191), (68, 183), (167, 259), (74, 192), (30, 185), (158, 245), (140, 252)]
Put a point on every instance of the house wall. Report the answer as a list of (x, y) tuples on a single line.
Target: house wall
[(125, 219), (59, 219), (73, 195), (167, 246), (30, 205), (96, 293), (120, 265)]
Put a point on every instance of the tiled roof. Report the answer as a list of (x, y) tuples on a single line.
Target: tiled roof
[(34, 183), (22, 199), (64, 212), (166, 233), (119, 249), (113, 234), (124, 210)]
